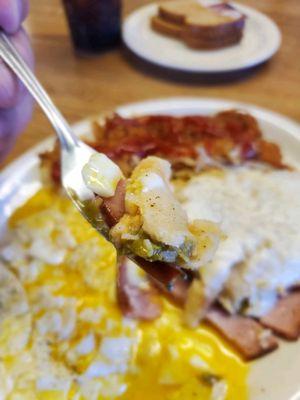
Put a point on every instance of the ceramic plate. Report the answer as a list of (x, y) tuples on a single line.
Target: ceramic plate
[(274, 377), (261, 40)]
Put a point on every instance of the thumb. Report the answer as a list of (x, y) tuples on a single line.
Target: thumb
[(12, 14)]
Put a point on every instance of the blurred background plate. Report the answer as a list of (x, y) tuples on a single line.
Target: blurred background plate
[(274, 377), (261, 40)]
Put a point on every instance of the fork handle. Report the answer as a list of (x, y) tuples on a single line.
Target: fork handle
[(13, 59)]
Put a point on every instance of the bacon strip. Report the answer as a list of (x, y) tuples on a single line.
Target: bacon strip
[(245, 334), (134, 302), (270, 153), (284, 318), (113, 208)]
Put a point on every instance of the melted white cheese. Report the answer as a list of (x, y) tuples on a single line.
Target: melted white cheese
[(149, 190), (101, 175), (259, 211)]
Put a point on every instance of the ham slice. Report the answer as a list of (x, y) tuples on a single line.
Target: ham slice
[(284, 318), (172, 281), (245, 334), (134, 301), (113, 207)]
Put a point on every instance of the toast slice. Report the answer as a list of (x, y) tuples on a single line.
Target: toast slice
[(200, 27), (166, 28), (180, 11), (194, 41), (204, 44), (176, 10)]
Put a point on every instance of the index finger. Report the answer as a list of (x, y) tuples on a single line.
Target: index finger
[(12, 14)]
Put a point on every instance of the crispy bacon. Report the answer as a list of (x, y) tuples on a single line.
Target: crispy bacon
[(284, 318), (270, 153), (178, 138), (245, 334), (134, 302), (229, 137), (113, 207)]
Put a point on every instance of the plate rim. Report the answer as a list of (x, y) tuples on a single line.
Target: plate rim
[(190, 69)]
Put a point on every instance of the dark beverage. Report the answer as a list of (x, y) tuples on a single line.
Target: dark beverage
[(95, 25)]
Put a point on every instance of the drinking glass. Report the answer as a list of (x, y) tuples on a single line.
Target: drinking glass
[(95, 25)]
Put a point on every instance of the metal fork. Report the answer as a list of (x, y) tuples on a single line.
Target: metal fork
[(74, 155)]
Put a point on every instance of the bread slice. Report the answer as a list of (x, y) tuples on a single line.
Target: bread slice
[(176, 10), (180, 11), (166, 27), (200, 27), (218, 20), (204, 44)]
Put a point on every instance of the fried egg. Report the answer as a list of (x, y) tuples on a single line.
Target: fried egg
[(71, 340)]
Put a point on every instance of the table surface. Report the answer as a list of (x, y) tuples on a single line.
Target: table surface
[(82, 87)]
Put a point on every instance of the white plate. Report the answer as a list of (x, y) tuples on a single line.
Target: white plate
[(261, 40), (274, 377)]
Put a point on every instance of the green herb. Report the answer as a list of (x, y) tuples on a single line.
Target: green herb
[(91, 210), (151, 250)]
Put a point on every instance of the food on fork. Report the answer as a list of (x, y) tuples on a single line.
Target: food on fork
[(198, 25), (153, 225)]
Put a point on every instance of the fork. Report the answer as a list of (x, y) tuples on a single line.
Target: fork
[(74, 155)]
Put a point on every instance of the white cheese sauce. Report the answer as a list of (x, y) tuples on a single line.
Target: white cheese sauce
[(259, 212)]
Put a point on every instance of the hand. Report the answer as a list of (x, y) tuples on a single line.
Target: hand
[(15, 101)]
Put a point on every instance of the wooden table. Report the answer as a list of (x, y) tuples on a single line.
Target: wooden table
[(86, 86)]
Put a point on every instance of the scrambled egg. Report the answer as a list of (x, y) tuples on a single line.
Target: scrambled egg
[(65, 338)]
